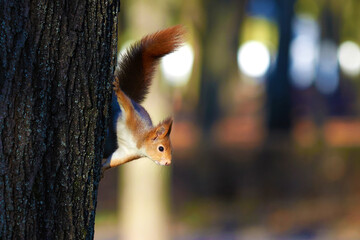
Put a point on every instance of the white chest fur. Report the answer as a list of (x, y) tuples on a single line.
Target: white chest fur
[(126, 141), (127, 149)]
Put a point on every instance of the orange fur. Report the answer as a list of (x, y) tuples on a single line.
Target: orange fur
[(136, 67), (135, 134), (132, 119), (159, 135), (159, 44), (150, 139)]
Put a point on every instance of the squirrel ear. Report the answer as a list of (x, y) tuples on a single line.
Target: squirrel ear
[(164, 128), (169, 122)]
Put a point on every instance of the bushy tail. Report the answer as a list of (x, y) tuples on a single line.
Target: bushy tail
[(136, 67)]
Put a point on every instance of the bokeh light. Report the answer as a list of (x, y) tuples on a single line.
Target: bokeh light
[(304, 52), (253, 59), (327, 80), (177, 66), (349, 58)]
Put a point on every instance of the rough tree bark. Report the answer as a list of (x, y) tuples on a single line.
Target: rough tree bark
[(56, 66)]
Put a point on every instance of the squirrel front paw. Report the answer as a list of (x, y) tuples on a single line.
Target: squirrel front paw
[(116, 84)]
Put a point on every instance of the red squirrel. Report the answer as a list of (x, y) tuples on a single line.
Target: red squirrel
[(136, 136)]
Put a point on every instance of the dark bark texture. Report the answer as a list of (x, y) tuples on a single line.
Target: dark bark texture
[(56, 67)]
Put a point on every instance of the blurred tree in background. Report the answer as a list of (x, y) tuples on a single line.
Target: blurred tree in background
[(219, 37), (279, 102)]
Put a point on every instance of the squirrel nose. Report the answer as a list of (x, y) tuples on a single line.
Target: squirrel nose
[(167, 163)]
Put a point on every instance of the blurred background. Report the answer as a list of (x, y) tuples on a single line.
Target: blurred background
[(266, 136)]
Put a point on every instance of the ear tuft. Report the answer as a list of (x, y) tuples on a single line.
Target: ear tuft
[(164, 128), (168, 122)]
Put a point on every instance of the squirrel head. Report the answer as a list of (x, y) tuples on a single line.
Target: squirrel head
[(157, 143)]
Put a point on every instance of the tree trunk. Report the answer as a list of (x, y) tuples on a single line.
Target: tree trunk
[(218, 45), (56, 68), (279, 102)]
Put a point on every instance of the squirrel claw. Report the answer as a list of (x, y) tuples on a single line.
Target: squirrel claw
[(116, 84)]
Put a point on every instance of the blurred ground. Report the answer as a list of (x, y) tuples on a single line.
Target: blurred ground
[(316, 199)]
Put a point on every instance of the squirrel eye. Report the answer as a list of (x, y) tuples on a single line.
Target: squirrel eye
[(161, 148)]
